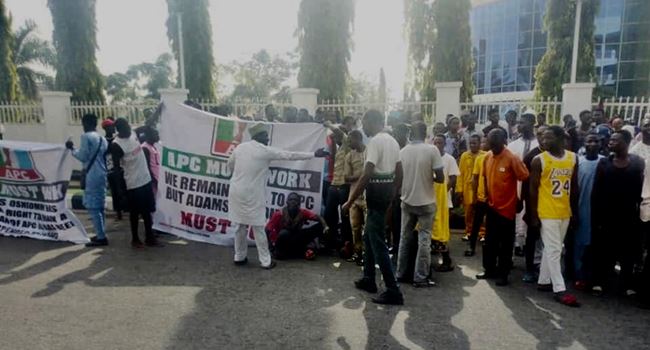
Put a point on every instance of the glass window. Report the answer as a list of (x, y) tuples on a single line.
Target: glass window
[(508, 88), (632, 32), (537, 55), (540, 6), (509, 59), (598, 51), (626, 88), (496, 61), (525, 40), (538, 19), (614, 7), (526, 6), (481, 63), (496, 76), (524, 58), (611, 52), (481, 79), (627, 70), (495, 89), (526, 21), (633, 12), (482, 45), (539, 39), (509, 74), (523, 78), (629, 51), (497, 43)]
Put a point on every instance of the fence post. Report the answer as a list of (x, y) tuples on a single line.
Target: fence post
[(576, 98), (447, 99), (305, 98), (173, 96), (56, 114)]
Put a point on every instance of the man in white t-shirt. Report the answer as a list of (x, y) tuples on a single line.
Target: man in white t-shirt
[(127, 152), (422, 165), (520, 147), (381, 173), (642, 149)]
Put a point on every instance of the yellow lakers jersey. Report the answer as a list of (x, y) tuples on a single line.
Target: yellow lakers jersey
[(555, 186)]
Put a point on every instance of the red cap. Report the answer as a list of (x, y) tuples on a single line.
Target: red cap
[(107, 123)]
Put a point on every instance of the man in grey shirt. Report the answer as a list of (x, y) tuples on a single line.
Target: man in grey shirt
[(422, 165)]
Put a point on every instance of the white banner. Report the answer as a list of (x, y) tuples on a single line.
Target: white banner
[(194, 179), (33, 184)]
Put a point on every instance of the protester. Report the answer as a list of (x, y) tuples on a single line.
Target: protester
[(554, 197), (303, 116), (513, 131), (493, 118), (287, 232), (615, 200), (454, 142), (502, 171), (582, 240), (599, 117), (270, 113), (532, 246), (290, 114), (338, 191), (91, 153), (128, 152), (464, 185), (151, 154), (353, 170), (468, 119), (381, 173), (401, 135), (642, 149), (441, 231), (114, 175), (520, 147), (439, 128), (479, 205), (422, 165), (249, 163), (617, 124), (541, 120)]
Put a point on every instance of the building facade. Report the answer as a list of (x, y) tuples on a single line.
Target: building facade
[(508, 41)]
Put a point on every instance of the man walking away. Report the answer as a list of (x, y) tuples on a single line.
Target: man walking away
[(502, 171), (91, 154), (381, 176), (127, 151), (422, 164), (554, 197), (249, 163)]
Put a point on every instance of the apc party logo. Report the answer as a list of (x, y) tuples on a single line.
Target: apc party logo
[(17, 165), (228, 134)]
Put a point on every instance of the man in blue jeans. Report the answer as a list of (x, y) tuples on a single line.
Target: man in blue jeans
[(381, 177)]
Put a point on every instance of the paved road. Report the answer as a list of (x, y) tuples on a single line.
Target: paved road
[(190, 296)]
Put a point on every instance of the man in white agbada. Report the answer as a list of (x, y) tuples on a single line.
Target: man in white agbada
[(249, 163)]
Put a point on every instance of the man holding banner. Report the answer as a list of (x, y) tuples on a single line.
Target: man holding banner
[(249, 163)]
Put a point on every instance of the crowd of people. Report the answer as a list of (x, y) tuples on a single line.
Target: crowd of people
[(572, 200)]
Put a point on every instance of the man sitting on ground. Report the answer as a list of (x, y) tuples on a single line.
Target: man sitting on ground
[(287, 233)]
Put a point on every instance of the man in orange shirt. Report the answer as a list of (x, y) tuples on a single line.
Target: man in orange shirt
[(502, 171)]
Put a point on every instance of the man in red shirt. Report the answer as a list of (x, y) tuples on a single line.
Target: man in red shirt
[(502, 171), (286, 232)]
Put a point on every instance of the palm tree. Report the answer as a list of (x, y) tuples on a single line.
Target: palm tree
[(30, 50)]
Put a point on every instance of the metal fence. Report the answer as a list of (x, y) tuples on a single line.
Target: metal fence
[(21, 113), (552, 107), (136, 113), (630, 109)]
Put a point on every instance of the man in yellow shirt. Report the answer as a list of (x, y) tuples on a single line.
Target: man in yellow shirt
[(479, 204), (441, 232), (464, 187), (554, 198)]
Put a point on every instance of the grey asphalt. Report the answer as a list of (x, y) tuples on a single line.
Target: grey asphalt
[(190, 296)]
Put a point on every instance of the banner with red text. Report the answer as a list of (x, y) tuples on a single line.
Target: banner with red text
[(33, 185), (192, 200)]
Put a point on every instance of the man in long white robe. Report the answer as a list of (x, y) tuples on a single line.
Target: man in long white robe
[(249, 163)]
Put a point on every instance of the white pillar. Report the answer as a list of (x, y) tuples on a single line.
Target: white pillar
[(447, 99), (56, 113), (173, 96), (305, 98), (576, 98)]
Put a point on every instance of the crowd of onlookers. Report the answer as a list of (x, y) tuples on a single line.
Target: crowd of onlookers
[(573, 200)]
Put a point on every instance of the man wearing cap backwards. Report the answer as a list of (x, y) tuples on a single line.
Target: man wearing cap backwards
[(249, 163)]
